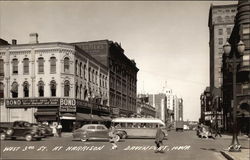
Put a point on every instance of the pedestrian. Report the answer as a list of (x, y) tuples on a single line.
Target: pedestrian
[(159, 139), (217, 130), (113, 138), (59, 130)]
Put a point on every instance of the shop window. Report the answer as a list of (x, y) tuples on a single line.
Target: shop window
[(1, 67), (246, 31), (41, 89), (66, 88), (14, 90), (53, 88), (15, 66), (1, 90), (53, 65), (25, 66), (40, 65), (66, 65)]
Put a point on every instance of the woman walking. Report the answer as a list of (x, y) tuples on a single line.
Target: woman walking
[(113, 138)]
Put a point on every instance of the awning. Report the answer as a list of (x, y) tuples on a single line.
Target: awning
[(68, 116), (82, 117), (106, 118), (96, 118), (45, 113)]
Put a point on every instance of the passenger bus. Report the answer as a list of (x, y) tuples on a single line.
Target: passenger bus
[(138, 127)]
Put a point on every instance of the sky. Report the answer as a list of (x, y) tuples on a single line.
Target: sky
[(169, 40)]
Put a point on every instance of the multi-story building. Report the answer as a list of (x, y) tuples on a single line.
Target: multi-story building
[(241, 32), (220, 23), (178, 110), (144, 109), (122, 74), (170, 103), (206, 107), (53, 82), (158, 101)]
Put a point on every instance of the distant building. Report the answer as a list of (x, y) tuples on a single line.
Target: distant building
[(170, 103), (144, 109), (53, 82), (178, 111), (122, 74)]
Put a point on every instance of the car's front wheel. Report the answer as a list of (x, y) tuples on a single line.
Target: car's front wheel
[(28, 137), (117, 138), (2, 136)]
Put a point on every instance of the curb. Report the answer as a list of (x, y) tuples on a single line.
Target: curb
[(227, 156)]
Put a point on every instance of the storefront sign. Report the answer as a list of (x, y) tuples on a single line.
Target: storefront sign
[(67, 105), (38, 102)]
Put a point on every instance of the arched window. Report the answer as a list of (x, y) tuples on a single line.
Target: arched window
[(53, 88), (66, 65), (76, 90), (85, 93), (80, 94), (1, 90), (41, 89), (66, 88), (14, 90), (84, 71), (25, 66), (26, 89), (1, 67), (15, 66), (93, 76), (52, 64), (76, 65), (96, 77), (40, 65), (80, 69), (89, 74)]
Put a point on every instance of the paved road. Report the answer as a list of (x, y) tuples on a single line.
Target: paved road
[(179, 146)]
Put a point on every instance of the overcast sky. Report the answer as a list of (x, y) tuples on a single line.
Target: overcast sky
[(168, 40)]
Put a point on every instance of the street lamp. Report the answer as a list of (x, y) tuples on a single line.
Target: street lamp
[(234, 60)]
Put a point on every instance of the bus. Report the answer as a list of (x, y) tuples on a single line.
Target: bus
[(138, 127)]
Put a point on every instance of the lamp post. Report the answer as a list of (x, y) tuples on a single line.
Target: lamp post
[(233, 60)]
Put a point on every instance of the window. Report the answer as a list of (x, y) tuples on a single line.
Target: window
[(76, 67), (89, 74), (220, 31), (25, 66), (229, 31), (26, 89), (1, 67), (66, 88), (76, 91), (1, 90), (66, 65), (96, 77), (245, 88), (15, 66), (84, 71), (40, 65), (246, 31), (53, 88), (220, 41), (80, 69), (14, 90), (53, 65), (80, 94), (41, 89), (219, 19), (246, 60), (227, 18), (91, 127), (93, 76)]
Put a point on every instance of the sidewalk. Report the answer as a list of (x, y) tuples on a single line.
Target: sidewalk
[(245, 147)]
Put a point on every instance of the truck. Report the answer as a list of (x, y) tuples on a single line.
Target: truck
[(19, 129), (179, 126)]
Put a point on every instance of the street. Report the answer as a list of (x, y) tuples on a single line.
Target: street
[(180, 145)]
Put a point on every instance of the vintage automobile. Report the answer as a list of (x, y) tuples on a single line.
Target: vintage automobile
[(20, 129), (93, 132), (45, 129)]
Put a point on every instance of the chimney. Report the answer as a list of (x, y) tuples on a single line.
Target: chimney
[(14, 41), (33, 38)]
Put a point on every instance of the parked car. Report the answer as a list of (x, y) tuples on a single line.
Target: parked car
[(20, 129), (186, 127), (93, 132), (45, 129)]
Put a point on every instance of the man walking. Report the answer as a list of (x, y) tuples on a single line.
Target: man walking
[(158, 139), (59, 130)]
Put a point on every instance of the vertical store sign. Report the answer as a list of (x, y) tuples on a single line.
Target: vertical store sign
[(67, 105)]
